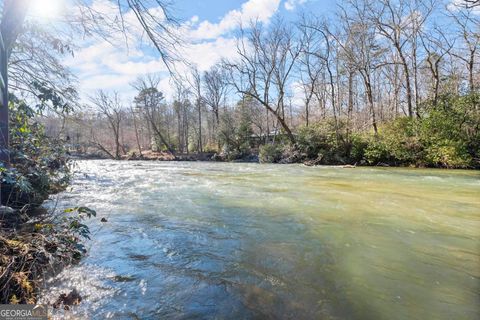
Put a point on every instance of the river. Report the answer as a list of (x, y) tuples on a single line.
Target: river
[(197, 240)]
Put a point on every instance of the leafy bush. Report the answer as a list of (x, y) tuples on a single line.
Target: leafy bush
[(38, 168), (235, 139), (447, 135), (451, 132), (450, 154), (358, 146), (270, 153), (377, 151), (398, 142), (38, 164), (318, 138), (328, 141)]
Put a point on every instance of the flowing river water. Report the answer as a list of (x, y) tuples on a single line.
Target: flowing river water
[(193, 240)]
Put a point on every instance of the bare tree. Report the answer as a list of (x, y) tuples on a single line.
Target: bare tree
[(149, 101), (181, 108), (216, 86), (158, 27), (435, 52), (325, 53), (135, 125), (264, 70), (310, 67), (362, 50), (195, 81), (398, 22), (111, 107), (467, 26)]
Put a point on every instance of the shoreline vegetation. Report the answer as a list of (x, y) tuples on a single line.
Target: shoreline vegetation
[(446, 136), (35, 242)]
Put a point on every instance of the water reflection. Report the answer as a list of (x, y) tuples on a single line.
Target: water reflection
[(246, 241)]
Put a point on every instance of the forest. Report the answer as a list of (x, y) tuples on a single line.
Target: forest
[(376, 82)]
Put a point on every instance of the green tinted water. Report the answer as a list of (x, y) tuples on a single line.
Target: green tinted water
[(223, 240)]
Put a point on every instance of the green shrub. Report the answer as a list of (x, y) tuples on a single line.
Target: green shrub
[(397, 142), (327, 140), (377, 151), (270, 153), (450, 132), (358, 146), (449, 154), (38, 164), (318, 138), (447, 135)]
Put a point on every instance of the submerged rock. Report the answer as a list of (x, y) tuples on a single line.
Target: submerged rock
[(67, 300)]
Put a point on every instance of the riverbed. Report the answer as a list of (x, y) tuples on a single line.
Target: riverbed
[(204, 240)]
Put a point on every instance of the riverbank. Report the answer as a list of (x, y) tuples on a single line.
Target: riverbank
[(288, 158), (446, 135), (150, 155), (34, 242)]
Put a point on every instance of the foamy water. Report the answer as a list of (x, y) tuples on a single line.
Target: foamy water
[(244, 241)]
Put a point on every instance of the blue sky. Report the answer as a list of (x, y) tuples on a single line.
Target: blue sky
[(214, 10), (208, 26)]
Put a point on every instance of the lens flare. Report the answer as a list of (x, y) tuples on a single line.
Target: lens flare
[(46, 9)]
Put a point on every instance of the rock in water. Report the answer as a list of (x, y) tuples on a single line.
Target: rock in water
[(73, 298)]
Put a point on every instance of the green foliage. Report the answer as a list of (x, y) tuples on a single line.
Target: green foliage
[(376, 151), (451, 132), (358, 146), (327, 141), (74, 222), (397, 143), (235, 135), (38, 164), (318, 138), (50, 97), (270, 153), (447, 135)]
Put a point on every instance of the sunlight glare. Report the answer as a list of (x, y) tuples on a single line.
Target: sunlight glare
[(46, 9)]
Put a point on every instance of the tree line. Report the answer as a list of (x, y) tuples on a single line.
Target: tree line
[(362, 67)]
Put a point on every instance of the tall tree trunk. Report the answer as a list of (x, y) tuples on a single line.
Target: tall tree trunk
[(155, 129), (4, 130), (350, 103), (306, 114), (186, 128), (471, 64), (13, 15), (179, 131), (199, 106), (334, 105), (407, 84), (136, 132), (368, 87)]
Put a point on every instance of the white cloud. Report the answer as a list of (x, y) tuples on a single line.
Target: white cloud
[(292, 4), (262, 10), (455, 5), (206, 54), (101, 65)]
